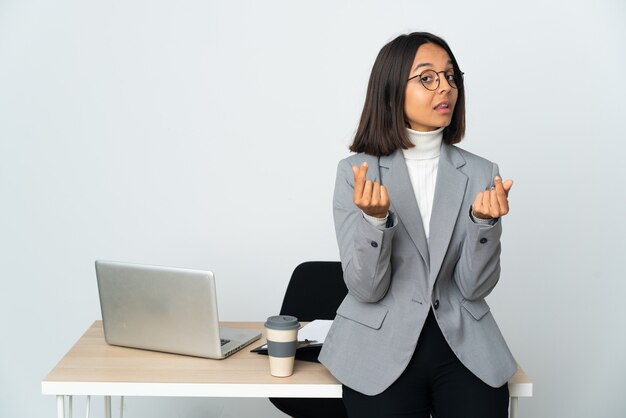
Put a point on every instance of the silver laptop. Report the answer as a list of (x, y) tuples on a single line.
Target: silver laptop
[(165, 309)]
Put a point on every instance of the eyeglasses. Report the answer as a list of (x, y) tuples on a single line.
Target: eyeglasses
[(430, 79)]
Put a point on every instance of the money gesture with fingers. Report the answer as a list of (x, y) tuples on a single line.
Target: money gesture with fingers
[(493, 203), (370, 196)]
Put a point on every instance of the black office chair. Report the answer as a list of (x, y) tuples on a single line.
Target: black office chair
[(315, 291)]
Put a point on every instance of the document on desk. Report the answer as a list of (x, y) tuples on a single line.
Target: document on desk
[(312, 334), (315, 331)]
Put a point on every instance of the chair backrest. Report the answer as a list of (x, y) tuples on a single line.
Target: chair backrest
[(315, 291)]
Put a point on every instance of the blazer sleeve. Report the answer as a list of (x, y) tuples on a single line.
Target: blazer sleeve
[(365, 250), (478, 269)]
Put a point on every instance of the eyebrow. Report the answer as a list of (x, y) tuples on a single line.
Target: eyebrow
[(428, 64)]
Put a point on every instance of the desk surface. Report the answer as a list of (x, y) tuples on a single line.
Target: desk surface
[(92, 367)]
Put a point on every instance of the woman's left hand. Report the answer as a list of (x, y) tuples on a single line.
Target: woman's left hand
[(493, 203)]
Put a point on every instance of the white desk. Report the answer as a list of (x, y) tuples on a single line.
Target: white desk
[(92, 367)]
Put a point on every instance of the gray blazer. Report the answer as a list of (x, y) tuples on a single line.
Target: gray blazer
[(394, 276)]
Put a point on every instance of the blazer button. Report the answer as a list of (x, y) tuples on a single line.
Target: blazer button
[(436, 304), (483, 240), (374, 244)]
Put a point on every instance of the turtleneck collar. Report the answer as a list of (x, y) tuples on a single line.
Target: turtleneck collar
[(427, 144)]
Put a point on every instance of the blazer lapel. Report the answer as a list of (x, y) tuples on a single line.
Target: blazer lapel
[(395, 177), (449, 193)]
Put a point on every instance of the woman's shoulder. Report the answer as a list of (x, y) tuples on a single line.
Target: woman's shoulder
[(471, 158), (358, 159), (345, 164)]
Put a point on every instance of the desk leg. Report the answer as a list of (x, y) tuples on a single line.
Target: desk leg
[(107, 407), (60, 406), (513, 407)]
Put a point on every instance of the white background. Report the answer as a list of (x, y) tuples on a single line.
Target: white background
[(206, 134)]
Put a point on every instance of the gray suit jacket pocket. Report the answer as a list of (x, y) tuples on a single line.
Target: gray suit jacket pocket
[(368, 314), (477, 308)]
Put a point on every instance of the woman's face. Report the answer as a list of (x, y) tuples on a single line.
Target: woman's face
[(427, 110)]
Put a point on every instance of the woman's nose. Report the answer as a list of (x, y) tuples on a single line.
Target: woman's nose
[(444, 84)]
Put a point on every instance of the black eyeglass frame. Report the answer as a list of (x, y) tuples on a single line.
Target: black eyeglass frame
[(457, 77)]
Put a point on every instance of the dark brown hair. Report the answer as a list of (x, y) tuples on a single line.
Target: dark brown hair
[(382, 128)]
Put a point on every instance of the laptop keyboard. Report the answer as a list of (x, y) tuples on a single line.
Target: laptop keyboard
[(224, 341)]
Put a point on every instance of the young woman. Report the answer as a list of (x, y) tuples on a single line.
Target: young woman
[(418, 221)]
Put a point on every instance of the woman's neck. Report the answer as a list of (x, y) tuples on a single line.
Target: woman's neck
[(427, 144)]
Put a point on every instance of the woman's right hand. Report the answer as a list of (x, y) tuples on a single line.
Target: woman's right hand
[(370, 196)]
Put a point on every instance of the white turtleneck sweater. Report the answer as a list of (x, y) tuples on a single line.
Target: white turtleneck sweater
[(422, 162)]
